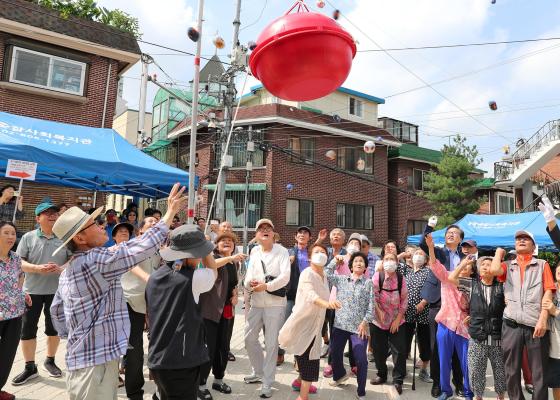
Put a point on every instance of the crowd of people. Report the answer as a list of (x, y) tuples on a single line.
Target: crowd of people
[(102, 282)]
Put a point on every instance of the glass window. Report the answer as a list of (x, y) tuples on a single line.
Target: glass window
[(356, 160), (415, 227), (418, 177), (299, 212), (355, 107), (506, 204), (413, 134), (44, 70), (155, 115), (354, 216), (235, 207), (238, 151), (405, 132), (304, 147)]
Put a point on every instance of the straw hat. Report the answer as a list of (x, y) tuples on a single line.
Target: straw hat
[(71, 222)]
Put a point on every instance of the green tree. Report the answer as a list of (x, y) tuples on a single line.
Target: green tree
[(450, 189)]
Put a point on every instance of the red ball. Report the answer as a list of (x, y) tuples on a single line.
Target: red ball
[(303, 56)]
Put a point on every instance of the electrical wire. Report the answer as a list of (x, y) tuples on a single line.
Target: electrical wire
[(258, 18), (448, 46)]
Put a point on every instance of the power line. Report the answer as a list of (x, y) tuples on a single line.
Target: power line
[(448, 46), (258, 18)]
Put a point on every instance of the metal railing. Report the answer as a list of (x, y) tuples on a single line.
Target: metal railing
[(548, 132)]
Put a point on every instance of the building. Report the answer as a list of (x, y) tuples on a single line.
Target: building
[(60, 69)]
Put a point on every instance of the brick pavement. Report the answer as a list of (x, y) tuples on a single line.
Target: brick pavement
[(45, 388)]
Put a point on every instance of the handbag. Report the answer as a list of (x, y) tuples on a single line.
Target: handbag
[(282, 292)]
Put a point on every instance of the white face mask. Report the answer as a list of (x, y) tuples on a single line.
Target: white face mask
[(389, 266), (352, 249), (319, 259), (418, 259)]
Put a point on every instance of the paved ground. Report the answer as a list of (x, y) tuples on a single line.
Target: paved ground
[(45, 388)]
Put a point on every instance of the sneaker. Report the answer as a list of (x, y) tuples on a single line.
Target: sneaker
[(358, 397), (424, 376), (6, 396), (27, 374), (445, 396), (340, 381), (354, 371), (370, 357), (529, 388), (327, 371), (325, 350), (52, 368), (252, 379), (296, 386), (266, 392)]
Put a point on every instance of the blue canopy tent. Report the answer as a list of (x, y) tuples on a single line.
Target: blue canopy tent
[(492, 231), (83, 157)]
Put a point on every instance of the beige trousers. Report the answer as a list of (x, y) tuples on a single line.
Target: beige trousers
[(94, 383)]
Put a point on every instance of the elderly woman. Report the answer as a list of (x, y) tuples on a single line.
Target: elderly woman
[(12, 303), (355, 294), (10, 204), (391, 301), (301, 333), (217, 312), (416, 316)]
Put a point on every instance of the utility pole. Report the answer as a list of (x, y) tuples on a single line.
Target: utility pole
[(229, 100), (194, 116), (146, 60), (248, 170)]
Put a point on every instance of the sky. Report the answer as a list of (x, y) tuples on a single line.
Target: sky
[(522, 78)]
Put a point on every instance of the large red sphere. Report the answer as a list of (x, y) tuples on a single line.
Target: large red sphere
[(303, 56)]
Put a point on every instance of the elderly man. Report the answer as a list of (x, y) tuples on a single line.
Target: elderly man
[(268, 273), (469, 247), (42, 271), (528, 283), (89, 308), (450, 256)]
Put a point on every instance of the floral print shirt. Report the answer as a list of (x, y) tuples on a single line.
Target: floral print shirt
[(389, 303), (12, 298), (355, 296)]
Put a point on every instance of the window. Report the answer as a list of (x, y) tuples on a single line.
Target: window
[(46, 71), (299, 212), (235, 207), (414, 227), (419, 177), (238, 151), (354, 216), (304, 148), (356, 160), (506, 204), (355, 107)]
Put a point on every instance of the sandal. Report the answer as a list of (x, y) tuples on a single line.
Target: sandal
[(121, 382), (204, 394), (222, 387)]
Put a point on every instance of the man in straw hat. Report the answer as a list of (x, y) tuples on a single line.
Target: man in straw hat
[(89, 308)]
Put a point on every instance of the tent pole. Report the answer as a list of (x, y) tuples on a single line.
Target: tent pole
[(194, 117), (94, 198), (17, 201)]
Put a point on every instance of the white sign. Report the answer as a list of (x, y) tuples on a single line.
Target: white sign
[(21, 169)]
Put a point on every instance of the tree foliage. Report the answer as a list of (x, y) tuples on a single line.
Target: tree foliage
[(88, 9), (450, 189)]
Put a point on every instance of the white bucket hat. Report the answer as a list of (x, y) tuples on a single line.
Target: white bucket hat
[(71, 222)]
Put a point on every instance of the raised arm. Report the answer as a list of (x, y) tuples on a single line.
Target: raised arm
[(331, 267), (454, 275), (496, 268)]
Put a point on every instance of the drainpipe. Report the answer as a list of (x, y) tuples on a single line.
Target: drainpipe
[(106, 94)]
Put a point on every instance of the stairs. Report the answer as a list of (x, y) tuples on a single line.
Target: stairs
[(530, 157)]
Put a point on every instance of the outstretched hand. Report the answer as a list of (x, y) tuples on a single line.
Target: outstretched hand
[(547, 209), (176, 201)]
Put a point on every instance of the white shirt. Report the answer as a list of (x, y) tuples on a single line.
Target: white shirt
[(277, 264)]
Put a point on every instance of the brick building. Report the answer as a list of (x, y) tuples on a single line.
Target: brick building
[(60, 69)]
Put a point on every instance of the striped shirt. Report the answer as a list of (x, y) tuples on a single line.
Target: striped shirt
[(89, 308)]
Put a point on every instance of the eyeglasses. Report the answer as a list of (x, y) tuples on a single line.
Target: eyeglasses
[(265, 228), (83, 229)]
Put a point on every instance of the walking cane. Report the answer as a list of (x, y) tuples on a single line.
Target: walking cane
[(414, 359)]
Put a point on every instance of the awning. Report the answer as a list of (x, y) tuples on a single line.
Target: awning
[(238, 187), (84, 157)]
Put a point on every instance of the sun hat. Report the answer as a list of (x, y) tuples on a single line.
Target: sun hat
[(44, 206), (262, 222), (71, 222), (186, 241), (120, 225)]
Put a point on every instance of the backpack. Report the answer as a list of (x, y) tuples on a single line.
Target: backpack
[(381, 277)]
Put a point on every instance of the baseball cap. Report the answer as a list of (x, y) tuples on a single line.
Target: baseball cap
[(262, 222), (469, 242), (304, 228), (525, 233), (44, 206), (355, 236), (365, 239)]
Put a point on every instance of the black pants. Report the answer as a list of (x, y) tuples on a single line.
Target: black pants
[(217, 341), (422, 339), (10, 331), (457, 377), (177, 384), (134, 374), (40, 302), (383, 339), (513, 340)]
